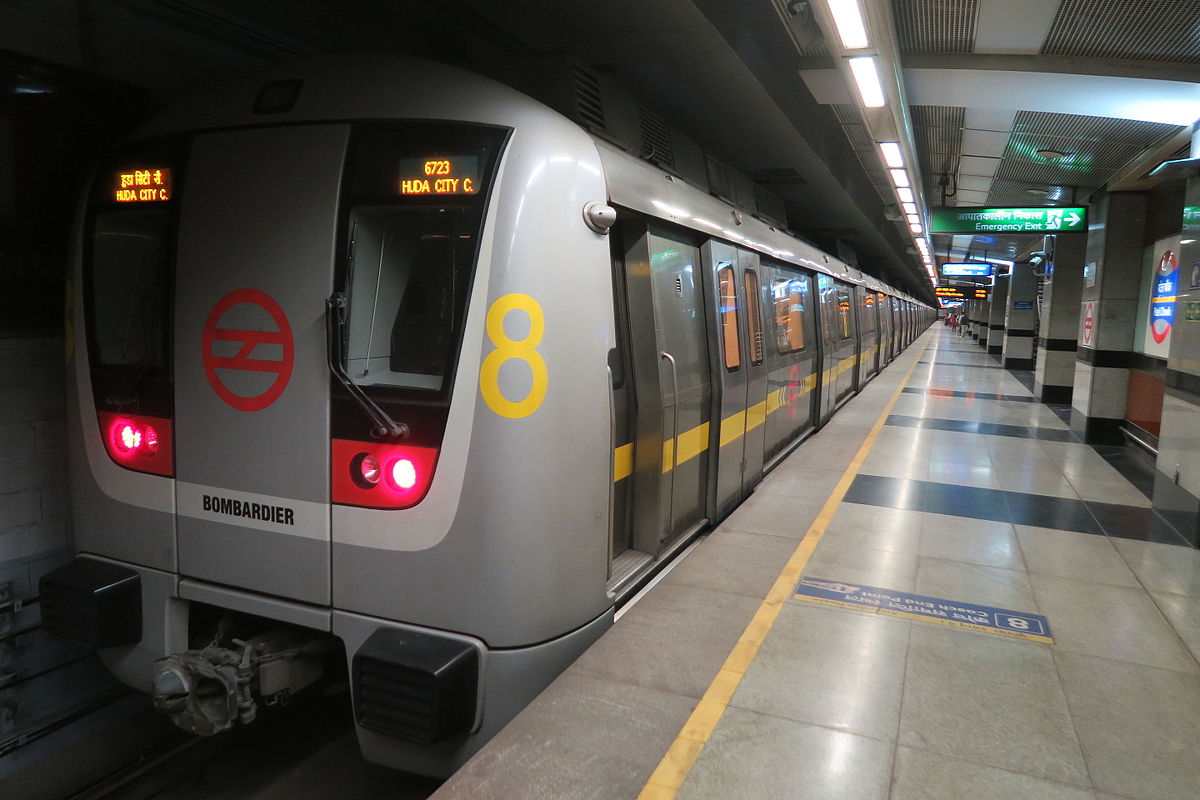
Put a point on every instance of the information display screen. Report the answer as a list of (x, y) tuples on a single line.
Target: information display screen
[(142, 185), (439, 175), (966, 269)]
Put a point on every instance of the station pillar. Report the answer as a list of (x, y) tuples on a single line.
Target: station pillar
[(1054, 373), (985, 307), (1177, 473), (1108, 315), (995, 321), (1019, 318)]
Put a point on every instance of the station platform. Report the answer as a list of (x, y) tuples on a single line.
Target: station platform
[(942, 594)]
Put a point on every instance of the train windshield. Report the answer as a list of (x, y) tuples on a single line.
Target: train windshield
[(417, 196), (128, 286), (409, 273)]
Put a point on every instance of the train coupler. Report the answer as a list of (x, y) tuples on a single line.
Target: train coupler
[(208, 691)]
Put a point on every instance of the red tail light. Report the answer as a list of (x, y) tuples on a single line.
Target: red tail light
[(381, 475), (138, 442)]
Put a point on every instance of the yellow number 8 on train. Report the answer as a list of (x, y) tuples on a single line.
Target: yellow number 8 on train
[(507, 349)]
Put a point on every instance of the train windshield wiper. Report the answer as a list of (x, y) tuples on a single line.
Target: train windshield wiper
[(383, 426)]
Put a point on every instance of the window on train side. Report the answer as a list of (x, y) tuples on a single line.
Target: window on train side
[(843, 311), (754, 317), (790, 297), (729, 326)]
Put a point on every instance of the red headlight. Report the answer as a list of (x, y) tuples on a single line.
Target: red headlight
[(380, 475), (138, 442)]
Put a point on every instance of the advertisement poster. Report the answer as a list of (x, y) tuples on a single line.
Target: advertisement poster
[(1161, 319)]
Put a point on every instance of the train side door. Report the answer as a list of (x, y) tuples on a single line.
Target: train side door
[(827, 313), (730, 370), (751, 285)]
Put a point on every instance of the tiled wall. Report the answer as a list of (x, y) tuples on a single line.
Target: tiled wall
[(34, 523)]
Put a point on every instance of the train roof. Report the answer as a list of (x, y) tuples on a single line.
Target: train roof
[(390, 87)]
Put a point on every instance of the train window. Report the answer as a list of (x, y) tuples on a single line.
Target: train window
[(729, 325), (868, 316), (843, 311), (409, 274), (790, 297), (410, 255), (129, 288), (753, 317)]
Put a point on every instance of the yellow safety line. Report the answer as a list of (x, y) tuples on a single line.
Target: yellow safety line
[(674, 767)]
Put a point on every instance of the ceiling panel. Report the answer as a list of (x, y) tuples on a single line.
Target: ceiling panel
[(1144, 30), (1093, 149), (974, 183), (935, 26), (976, 165), (938, 132), (984, 143)]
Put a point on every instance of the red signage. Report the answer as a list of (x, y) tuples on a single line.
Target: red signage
[(242, 360)]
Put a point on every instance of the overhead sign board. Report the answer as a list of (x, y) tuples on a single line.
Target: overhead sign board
[(950, 291), (1008, 220), (966, 269)]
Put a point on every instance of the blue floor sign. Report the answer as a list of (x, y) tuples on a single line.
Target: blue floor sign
[(984, 619)]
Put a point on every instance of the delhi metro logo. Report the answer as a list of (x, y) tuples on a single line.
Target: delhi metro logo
[(229, 352)]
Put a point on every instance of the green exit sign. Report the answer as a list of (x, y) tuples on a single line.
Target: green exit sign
[(1008, 220)]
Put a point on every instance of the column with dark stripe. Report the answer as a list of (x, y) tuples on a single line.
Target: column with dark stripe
[(1020, 318), (1117, 224), (1177, 476), (995, 321), (1054, 373)]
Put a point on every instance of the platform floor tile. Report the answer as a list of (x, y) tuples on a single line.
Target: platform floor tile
[(921, 775), (698, 626), (1138, 726), (759, 756), (849, 678), (584, 738), (991, 701)]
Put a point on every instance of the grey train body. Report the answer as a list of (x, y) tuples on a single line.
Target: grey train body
[(603, 396)]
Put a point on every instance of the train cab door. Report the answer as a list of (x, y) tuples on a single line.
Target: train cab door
[(254, 267), (827, 315), (661, 473)]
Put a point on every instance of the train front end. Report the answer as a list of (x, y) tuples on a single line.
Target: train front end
[(338, 385)]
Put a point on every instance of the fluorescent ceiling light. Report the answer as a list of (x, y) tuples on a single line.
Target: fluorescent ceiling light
[(910, 208), (849, 22), (867, 79), (906, 195), (891, 154), (915, 227), (899, 177), (913, 218)]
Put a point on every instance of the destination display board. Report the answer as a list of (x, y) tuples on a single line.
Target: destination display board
[(440, 175), (142, 185), (1008, 220), (967, 269)]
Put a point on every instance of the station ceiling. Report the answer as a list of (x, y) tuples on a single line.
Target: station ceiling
[(995, 88)]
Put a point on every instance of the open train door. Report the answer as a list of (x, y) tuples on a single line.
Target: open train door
[(255, 265)]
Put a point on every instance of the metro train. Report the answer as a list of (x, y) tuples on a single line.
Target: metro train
[(383, 369)]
